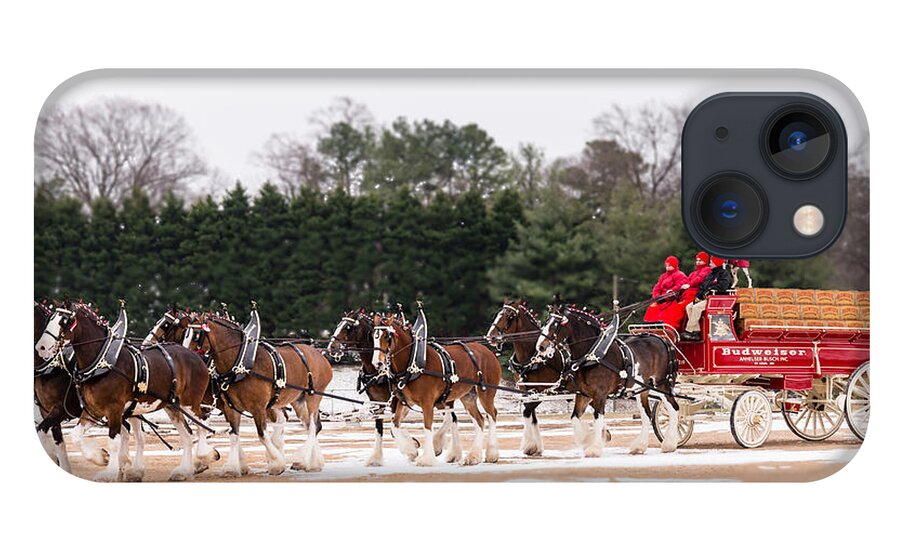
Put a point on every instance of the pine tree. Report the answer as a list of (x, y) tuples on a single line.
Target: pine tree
[(540, 260), (269, 237), (99, 265), (139, 261), (174, 238), (202, 254)]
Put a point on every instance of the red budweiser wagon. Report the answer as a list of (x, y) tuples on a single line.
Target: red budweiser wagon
[(804, 353)]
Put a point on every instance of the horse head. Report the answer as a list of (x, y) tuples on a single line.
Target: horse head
[(217, 333), (513, 317), (353, 331), (169, 328), (554, 332), (46, 333), (389, 337)]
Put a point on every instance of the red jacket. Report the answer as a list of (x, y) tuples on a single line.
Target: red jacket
[(698, 275), (670, 280)]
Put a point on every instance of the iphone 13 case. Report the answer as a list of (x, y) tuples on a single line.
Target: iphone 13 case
[(446, 276)]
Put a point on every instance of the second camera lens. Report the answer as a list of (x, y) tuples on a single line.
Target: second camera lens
[(731, 209), (798, 142)]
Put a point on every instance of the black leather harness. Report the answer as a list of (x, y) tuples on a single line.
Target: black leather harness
[(280, 375), (108, 354)]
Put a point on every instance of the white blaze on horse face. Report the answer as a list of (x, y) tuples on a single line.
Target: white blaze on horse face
[(151, 336), (337, 331), (544, 345), (377, 353), (496, 322), (188, 337), (47, 345)]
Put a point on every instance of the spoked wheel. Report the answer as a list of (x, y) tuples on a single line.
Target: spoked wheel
[(751, 419), (856, 405), (660, 422), (815, 414)]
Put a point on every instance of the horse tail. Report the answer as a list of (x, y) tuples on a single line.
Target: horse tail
[(671, 360)]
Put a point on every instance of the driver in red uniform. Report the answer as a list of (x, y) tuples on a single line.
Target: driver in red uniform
[(667, 311)]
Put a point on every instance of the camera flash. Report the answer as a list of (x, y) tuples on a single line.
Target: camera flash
[(809, 220)]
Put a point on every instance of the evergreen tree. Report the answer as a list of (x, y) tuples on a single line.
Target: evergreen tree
[(174, 239), (138, 261), (238, 281), (268, 233), (301, 287), (541, 259), (202, 254), (99, 264)]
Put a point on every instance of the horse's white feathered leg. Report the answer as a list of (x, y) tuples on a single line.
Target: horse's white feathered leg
[(278, 430), (532, 443), (455, 453), (440, 435), (427, 457), (314, 460), (579, 432), (274, 459), (62, 457), (111, 473), (234, 464), (597, 437), (136, 471), (45, 438), (404, 442), (639, 445), (90, 449), (376, 458), (476, 451), (670, 441), (492, 452), (185, 469)]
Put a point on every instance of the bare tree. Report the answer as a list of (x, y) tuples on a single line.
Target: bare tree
[(329, 158), (850, 254), (654, 133), (295, 164), (104, 149), (342, 109)]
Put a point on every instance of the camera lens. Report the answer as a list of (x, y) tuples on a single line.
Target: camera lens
[(798, 142), (731, 208)]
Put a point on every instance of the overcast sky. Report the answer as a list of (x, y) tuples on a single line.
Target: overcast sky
[(233, 114)]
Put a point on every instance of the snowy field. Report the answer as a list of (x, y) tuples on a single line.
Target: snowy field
[(346, 442)]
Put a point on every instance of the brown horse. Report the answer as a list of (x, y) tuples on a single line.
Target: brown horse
[(515, 323), (354, 332), (55, 397), (175, 327), (122, 387), (600, 373), (263, 393), (430, 387)]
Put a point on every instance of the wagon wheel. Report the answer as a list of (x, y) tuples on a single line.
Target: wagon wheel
[(751, 419), (660, 422), (856, 405), (815, 414)]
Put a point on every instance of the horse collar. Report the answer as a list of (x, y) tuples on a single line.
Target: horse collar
[(109, 353)]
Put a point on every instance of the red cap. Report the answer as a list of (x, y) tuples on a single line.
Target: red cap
[(672, 261), (703, 257), (717, 261)]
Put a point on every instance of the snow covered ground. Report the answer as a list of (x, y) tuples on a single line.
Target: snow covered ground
[(710, 455)]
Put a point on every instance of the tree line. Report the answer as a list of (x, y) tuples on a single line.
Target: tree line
[(307, 259), (370, 216)]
